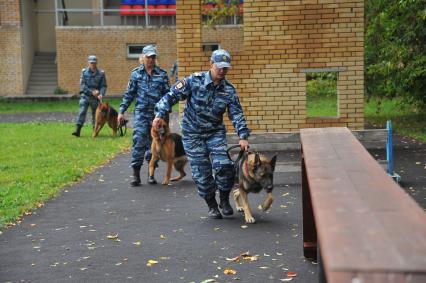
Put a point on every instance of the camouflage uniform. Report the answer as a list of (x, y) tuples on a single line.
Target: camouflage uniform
[(90, 81), (147, 90), (203, 130)]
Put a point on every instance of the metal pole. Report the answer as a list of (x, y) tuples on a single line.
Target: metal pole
[(146, 13), (389, 148), (101, 9), (56, 12)]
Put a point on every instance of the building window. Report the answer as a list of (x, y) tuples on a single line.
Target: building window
[(210, 47), (135, 50), (321, 94)]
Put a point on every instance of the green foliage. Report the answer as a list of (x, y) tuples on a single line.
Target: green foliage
[(406, 120), (38, 159), (321, 94), (395, 50), (59, 90), (220, 11)]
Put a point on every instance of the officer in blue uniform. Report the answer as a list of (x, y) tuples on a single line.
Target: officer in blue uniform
[(208, 95), (93, 87), (148, 84)]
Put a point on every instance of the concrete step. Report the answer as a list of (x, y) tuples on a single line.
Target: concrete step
[(47, 78), (42, 84), (44, 74)]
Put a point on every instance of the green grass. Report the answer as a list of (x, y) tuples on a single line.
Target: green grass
[(407, 121), (321, 94), (70, 106), (48, 106), (321, 106), (38, 159)]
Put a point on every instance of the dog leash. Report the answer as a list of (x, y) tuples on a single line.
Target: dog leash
[(123, 124)]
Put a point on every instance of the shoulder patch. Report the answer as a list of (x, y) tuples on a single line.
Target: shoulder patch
[(84, 69), (179, 85)]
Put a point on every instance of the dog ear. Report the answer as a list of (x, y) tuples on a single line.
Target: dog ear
[(273, 161), (256, 160)]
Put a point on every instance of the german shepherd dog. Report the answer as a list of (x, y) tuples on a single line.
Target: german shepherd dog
[(254, 172), (105, 114), (169, 148)]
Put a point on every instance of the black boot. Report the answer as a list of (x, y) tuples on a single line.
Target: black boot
[(136, 176), (151, 179), (224, 203), (214, 212), (77, 131)]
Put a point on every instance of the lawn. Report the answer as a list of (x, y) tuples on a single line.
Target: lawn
[(38, 159), (407, 121), (70, 106)]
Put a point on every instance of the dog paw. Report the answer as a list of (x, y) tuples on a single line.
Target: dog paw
[(240, 209), (165, 183), (250, 220)]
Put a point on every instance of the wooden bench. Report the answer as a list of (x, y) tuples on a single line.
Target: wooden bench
[(360, 223)]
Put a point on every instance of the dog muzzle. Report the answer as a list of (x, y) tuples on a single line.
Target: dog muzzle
[(161, 133)]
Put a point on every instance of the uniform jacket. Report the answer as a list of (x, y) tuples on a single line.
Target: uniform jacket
[(147, 90), (205, 105), (92, 80)]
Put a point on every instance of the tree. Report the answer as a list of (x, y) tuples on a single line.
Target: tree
[(395, 50), (216, 11)]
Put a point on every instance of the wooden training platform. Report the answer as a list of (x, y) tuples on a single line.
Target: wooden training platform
[(364, 226)]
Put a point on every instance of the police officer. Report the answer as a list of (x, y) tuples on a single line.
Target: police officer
[(147, 84), (92, 88), (208, 95)]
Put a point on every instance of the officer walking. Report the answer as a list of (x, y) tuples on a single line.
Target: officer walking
[(93, 87), (148, 83), (208, 95)]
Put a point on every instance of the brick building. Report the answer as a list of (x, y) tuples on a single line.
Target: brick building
[(279, 42)]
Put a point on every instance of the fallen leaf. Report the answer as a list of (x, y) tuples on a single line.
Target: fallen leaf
[(119, 263), (286, 279), (229, 271), (236, 259), (112, 237), (291, 274), (151, 262), (244, 226), (162, 237), (418, 162), (283, 206), (264, 267), (250, 258), (83, 268), (209, 281), (283, 195)]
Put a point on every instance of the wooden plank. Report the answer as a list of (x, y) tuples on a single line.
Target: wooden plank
[(364, 221)]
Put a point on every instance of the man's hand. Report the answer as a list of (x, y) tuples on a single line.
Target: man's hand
[(120, 118), (156, 122), (95, 92), (244, 144)]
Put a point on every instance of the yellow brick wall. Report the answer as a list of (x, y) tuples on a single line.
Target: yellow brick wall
[(109, 44), (11, 51), (281, 39)]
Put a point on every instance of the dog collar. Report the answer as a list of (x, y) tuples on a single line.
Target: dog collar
[(246, 167)]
